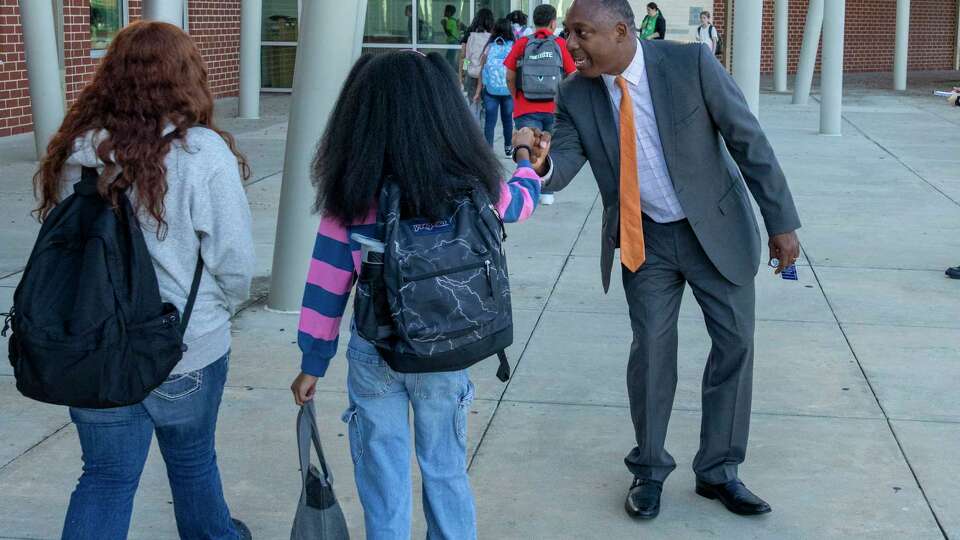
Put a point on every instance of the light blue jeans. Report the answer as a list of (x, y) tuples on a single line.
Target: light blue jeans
[(183, 413), (379, 428)]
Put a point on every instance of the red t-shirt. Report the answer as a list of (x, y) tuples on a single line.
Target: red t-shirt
[(520, 105)]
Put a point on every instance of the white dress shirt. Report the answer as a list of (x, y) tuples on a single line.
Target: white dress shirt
[(658, 199)]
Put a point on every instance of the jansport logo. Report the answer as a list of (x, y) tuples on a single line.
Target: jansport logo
[(421, 227), (542, 56)]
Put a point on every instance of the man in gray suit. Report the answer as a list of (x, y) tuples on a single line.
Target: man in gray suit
[(667, 118)]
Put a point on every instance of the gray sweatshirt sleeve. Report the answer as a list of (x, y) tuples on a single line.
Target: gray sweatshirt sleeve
[(221, 217)]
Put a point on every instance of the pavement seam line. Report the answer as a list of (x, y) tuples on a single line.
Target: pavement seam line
[(900, 161), (38, 443), (873, 391), (543, 311)]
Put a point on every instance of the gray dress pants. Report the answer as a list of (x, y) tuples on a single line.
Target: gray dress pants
[(654, 292)]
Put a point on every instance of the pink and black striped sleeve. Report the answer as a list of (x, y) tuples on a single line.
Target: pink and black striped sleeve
[(333, 269), (520, 195)]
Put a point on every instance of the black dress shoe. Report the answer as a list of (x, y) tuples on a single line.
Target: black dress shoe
[(242, 530), (953, 272), (735, 496), (643, 499)]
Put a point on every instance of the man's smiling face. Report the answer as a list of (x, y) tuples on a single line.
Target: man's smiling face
[(597, 39)]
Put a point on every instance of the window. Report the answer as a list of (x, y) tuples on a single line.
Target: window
[(279, 35), (106, 20)]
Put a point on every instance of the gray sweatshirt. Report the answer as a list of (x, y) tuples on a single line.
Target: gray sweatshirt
[(206, 212)]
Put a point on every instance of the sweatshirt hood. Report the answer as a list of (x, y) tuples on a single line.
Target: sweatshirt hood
[(85, 149)]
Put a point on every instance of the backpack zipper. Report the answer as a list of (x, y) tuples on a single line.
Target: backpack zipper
[(485, 264)]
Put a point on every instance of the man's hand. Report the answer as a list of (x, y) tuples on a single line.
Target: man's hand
[(303, 388), (539, 142), (786, 248), (540, 152)]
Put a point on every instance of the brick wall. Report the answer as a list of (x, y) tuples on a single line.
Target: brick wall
[(214, 25), (14, 93), (869, 33)]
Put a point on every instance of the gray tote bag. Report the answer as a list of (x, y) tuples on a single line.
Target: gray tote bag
[(319, 516)]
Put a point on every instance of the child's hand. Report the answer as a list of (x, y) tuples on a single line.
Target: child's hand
[(526, 137), (303, 388)]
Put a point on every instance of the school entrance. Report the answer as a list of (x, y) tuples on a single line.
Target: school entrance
[(390, 25)]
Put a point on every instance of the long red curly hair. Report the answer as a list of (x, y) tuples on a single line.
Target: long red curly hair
[(152, 77)]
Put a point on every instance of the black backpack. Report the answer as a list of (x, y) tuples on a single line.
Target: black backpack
[(540, 69), (89, 328), (719, 50), (441, 299)]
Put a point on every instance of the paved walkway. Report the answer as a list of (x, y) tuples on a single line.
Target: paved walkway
[(856, 424)]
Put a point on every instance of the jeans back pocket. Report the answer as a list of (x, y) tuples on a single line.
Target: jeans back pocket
[(180, 386)]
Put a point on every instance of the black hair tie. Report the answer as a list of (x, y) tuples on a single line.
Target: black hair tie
[(520, 147)]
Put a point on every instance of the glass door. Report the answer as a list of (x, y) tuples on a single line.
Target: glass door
[(278, 52), (438, 25)]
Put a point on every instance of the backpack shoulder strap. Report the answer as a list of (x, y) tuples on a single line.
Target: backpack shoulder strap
[(88, 182), (192, 298), (503, 372)]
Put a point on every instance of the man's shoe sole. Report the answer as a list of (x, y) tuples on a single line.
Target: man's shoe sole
[(709, 495), (639, 515)]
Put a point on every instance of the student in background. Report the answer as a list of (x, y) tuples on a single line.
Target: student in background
[(474, 42), (536, 114), (954, 100), (493, 87), (518, 22), (707, 33)]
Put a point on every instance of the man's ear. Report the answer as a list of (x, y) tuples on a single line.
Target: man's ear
[(621, 31)]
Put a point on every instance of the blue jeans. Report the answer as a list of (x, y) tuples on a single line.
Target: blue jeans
[(541, 121), (379, 429), (115, 443), (490, 105)]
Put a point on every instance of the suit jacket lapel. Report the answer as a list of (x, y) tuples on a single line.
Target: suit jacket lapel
[(660, 93), (606, 124)]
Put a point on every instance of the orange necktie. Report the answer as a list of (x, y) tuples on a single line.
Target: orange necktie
[(632, 250)]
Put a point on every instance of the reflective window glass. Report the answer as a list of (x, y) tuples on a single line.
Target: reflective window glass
[(444, 21), (280, 20), (276, 66), (389, 21), (106, 19)]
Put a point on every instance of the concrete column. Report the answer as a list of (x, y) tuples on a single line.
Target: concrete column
[(781, 33), (831, 86), (168, 11), (902, 43), (251, 17), (808, 52), (325, 25), (43, 71), (747, 27)]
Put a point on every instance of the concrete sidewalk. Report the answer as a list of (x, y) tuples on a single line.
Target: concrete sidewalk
[(856, 424)]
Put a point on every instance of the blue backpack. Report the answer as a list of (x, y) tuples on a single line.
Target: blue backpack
[(494, 72)]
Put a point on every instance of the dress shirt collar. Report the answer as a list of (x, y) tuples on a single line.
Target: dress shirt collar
[(634, 72)]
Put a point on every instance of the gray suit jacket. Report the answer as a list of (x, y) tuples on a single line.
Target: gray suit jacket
[(711, 143)]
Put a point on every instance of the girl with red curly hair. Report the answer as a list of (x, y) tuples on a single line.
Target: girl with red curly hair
[(148, 114)]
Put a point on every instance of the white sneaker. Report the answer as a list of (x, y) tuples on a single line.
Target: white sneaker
[(546, 199)]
